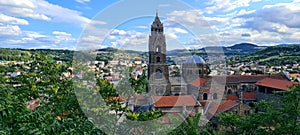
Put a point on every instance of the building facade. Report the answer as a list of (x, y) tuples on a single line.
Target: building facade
[(158, 71)]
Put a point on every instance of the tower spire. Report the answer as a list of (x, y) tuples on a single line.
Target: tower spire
[(156, 12)]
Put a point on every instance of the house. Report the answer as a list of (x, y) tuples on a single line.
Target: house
[(269, 89), (176, 104)]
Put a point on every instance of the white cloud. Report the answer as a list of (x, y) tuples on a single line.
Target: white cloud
[(126, 39), (14, 37), (18, 3), (193, 19), (59, 33), (43, 10), (276, 17), (142, 27), (296, 1), (226, 5), (10, 30), (4, 19), (82, 1), (180, 30), (26, 12)]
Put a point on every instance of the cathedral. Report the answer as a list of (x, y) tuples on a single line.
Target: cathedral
[(160, 82)]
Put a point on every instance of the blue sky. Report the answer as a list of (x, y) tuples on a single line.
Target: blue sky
[(75, 24)]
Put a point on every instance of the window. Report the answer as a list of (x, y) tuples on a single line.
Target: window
[(158, 74), (200, 72), (205, 96), (157, 59), (229, 92), (247, 112), (159, 91), (158, 49), (177, 89), (215, 96)]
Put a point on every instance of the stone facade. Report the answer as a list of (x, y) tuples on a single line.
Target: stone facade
[(158, 71)]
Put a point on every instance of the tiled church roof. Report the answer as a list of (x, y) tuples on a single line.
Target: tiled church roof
[(172, 101), (275, 83)]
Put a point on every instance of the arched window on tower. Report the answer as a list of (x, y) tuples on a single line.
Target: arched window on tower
[(204, 96), (158, 49), (158, 74), (229, 92), (157, 59)]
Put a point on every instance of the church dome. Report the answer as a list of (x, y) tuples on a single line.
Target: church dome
[(195, 59)]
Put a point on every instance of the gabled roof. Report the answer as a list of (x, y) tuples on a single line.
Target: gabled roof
[(248, 96), (232, 97), (198, 82), (275, 83), (172, 101), (214, 107), (247, 78), (227, 105)]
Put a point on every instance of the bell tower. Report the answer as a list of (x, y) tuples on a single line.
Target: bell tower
[(158, 72)]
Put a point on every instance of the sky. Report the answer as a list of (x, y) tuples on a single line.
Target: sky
[(89, 24)]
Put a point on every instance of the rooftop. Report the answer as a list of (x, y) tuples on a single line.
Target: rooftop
[(227, 105), (199, 82), (275, 83), (247, 78), (249, 95), (172, 101), (195, 59)]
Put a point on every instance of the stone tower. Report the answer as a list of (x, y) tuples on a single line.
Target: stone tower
[(158, 72)]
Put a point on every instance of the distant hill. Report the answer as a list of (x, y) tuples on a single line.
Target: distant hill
[(246, 47), (240, 49), (288, 45), (272, 56)]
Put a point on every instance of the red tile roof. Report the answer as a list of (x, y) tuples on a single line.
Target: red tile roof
[(247, 78), (215, 107), (199, 82), (171, 101), (227, 105), (248, 95), (232, 97), (275, 83)]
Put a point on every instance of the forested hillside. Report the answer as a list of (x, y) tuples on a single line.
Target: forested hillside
[(275, 55)]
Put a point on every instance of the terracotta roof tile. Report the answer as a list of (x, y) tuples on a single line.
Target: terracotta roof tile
[(232, 97), (275, 83), (248, 95), (171, 101), (247, 78), (199, 82), (224, 106), (215, 107)]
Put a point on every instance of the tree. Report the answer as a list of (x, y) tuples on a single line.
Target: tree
[(58, 111)]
